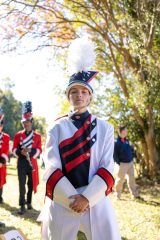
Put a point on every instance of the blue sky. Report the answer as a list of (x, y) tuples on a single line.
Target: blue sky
[(35, 77)]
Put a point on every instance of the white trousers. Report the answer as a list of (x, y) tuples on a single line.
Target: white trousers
[(66, 227), (99, 223)]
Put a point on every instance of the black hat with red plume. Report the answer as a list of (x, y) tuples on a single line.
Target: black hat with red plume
[(27, 111)]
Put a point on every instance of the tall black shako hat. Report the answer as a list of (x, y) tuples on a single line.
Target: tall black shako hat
[(1, 116), (81, 57), (27, 111)]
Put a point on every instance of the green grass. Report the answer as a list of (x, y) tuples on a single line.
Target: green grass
[(138, 220)]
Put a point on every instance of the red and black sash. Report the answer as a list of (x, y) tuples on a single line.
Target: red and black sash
[(75, 154), (27, 142)]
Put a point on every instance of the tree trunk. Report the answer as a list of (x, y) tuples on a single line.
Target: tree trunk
[(146, 155), (152, 151)]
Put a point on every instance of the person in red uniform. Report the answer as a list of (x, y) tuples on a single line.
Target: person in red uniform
[(27, 147), (4, 150)]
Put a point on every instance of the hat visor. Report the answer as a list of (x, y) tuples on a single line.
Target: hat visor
[(26, 119), (78, 84)]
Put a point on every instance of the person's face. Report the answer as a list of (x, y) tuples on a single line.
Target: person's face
[(27, 125), (1, 128), (123, 133), (79, 97)]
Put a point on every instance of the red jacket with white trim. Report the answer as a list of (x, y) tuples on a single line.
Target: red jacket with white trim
[(35, 152)]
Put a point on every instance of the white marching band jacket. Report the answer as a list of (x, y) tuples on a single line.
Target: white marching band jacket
[(80, 160), (100, 156)]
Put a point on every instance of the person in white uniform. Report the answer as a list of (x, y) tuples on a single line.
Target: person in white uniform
[(79, 164)]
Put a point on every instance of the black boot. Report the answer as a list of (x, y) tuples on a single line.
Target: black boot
[(29, 206), (1, 199), (2, 224), (22, 210)]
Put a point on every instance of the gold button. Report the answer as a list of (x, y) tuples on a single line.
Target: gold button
[(88, 154), (88, 122), (88, 138)]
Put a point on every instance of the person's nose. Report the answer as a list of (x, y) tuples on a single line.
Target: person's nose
[(79, 94)]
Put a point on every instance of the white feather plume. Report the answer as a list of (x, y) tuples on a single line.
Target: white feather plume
[(81, 55)]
